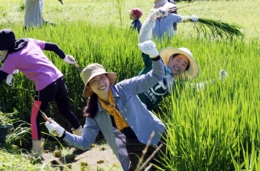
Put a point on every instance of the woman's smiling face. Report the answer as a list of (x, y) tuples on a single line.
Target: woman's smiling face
[(178, 64), (99, 84)]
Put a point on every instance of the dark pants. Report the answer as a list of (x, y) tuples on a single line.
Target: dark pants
[(55, 91), (135, 152)]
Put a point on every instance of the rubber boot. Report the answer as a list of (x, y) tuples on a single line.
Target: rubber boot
[(37, 147), (77, 131)]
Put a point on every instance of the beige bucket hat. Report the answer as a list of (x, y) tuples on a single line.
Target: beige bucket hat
[(90, 72), (193, 70)]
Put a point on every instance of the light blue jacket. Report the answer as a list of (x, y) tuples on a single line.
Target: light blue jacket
[(164, 26), (142, 121)]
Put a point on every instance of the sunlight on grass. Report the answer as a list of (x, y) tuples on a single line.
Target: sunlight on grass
[(212, 129)]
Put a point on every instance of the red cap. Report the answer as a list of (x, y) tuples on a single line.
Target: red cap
[(138, 12)]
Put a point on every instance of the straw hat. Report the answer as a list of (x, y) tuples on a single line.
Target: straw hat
[(193, 69), (90, 72)]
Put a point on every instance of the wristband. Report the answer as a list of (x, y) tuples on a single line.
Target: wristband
[(63, 135)]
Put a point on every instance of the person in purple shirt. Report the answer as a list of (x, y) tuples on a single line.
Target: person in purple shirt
[(27, 56)]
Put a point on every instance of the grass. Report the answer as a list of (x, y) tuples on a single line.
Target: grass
[(215, 129), (103, 13)]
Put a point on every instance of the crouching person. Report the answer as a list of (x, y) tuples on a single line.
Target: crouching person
[(117, 111), (27, 56)]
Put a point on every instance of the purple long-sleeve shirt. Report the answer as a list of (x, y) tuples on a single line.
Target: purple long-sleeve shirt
[(34, 64)]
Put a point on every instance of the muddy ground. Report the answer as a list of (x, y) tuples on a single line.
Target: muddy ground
[(99, 157)]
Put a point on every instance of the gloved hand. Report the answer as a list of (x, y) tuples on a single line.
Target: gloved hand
[(70, 59), (149, 48), (10, 77), (160, 12), (54, 128), (194, 18), (222, 74)]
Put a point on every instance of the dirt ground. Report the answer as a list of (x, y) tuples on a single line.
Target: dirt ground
[(98, 158)]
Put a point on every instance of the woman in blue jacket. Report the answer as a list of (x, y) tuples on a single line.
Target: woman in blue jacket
[(116, 109)]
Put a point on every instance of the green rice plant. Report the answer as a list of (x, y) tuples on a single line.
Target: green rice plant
[(19, 131), (214, 129), (12, 160), (217, 28), (7, 118), (20, 134), (210, 129), (250, 159), (119, 7)]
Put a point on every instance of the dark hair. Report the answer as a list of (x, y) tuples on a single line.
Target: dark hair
[(8, 42), (188, 66), (92, 106)]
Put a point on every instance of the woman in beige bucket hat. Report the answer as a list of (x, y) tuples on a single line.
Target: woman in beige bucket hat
[(116, 111), (179, 64)]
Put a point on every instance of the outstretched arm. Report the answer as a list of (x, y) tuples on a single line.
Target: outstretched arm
[(55, 48), (192, 18), (83, 142), (146, 30), (201, 86)]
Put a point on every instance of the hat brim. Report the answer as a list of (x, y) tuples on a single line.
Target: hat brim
[(166, 5), (111, 77), (193, 69), (3, 46)]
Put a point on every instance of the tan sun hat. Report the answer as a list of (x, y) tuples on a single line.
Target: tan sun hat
[(193, 69), (90, 72)]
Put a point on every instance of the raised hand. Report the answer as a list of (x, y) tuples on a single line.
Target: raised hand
[(160, 12), (149, 47)]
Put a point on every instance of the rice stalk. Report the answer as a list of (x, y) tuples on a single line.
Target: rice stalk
[(217, 28)]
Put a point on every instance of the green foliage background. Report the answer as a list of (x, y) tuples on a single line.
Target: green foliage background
[(214, 129)]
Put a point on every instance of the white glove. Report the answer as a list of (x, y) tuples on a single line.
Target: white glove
[(160, 12), (10, 77), (70, 59), (194, 18), (149, 48), (222, 74), (54, 128)]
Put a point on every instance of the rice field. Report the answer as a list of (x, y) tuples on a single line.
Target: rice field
[(214, 129)]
